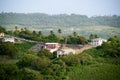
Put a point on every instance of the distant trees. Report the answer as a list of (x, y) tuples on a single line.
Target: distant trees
[(81, 40), (59, 31), (74, 34), (51, 32), (40, 34), (93, 36), (58, 20), (77, 40)]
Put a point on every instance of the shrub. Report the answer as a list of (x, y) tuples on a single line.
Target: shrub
[(9, 49), (85, 59), (29, 74), (46, 53)]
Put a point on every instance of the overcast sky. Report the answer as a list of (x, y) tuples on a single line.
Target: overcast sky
[(83, 7)]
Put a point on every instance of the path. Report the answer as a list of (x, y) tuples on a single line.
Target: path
[(77, 51)]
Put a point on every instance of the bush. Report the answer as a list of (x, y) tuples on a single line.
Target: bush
[(46, 53), (71, 59), (9, 72), (41, 63), (29, 74), (9, 49), (86, 59), (26, 61)]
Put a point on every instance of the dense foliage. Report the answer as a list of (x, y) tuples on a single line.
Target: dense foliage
[(111, 48), (36, 19), (8, 48)]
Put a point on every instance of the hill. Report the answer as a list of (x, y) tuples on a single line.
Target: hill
[(73, 22)]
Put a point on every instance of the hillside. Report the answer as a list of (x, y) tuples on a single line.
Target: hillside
[(68, 23)]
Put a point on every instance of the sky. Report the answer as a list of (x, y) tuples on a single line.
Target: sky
[(83, 7)]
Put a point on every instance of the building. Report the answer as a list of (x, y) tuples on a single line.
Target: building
[(97, 41), (2, 35), (8, 40), (52, 46), (65, 52)]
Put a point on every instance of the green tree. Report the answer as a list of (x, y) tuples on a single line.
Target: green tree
[(9, 72), (16, 28), (45, 52), (91, 36), (40, 34), (81, 40), (51, 32), (59, 31), (41, 63), (2, 29), (34, 33), (74, 34), (29, 74), (9, 49), (26, 60)]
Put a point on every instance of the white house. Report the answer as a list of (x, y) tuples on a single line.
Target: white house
[(52, 46), (8, 40), (64, 52), (97, 41), (1, 34)]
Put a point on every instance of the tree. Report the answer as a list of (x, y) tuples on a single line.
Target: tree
[(40, 34), (34, 33), (45, 52), (91, 36), (22, 29), (30, 74), (9, 72), (26, 61), (41, 63), (16, 28), (2, 29), (51, 32), (9, 49), (59, 31), (111, 48), (74, 34), (81, 40)]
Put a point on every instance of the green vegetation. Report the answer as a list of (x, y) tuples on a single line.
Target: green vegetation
[(104, 26), (24, 47), (36, 19), (102, 62), (8, 49)]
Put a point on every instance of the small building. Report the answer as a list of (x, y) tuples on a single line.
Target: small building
[(2, 35), (52, 46), (65, 52), (8, 40), (97, 41)]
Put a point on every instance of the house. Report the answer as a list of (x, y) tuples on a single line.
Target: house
[(1, 34), (52, 46), (8, 40), (64, 52), (97, 41)]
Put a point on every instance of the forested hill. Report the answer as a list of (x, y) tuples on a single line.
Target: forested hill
[(62, 20)]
